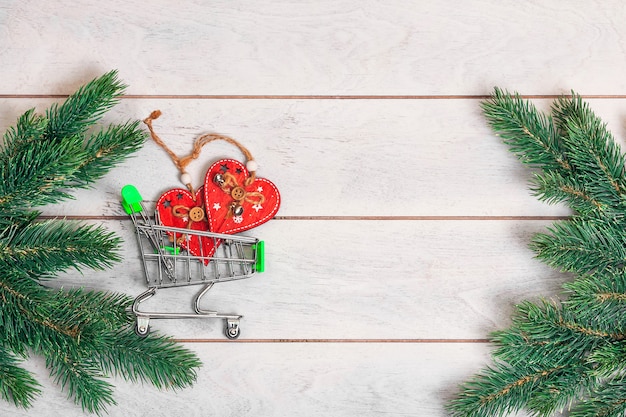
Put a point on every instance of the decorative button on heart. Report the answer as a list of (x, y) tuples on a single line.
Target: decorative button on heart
[(196, 214), (178, 208), (238, 193)]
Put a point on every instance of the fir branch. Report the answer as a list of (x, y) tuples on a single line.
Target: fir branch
[(30, 128), (600, 298), (82, 380), (38, 175), (99, 342), (100, 311), (16, 219), (548, 336), (607, 401), (29, 320), (562, 392), (46, 248), (84, 108), (573, 116), (501, 390), (591, 149), (84, 335), (547, 326), (107, 148), (44, 156), (609, 360), (545, 143), (564, 354), (156, 359), (17, 385), (553, 187), (21, 299), (583, 245), (529, 133)]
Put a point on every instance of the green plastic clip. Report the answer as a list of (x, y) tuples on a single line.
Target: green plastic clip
[(259, 248), (131, 199), (173, 250)]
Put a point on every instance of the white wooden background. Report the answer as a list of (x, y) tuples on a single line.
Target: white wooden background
[(402, 238)]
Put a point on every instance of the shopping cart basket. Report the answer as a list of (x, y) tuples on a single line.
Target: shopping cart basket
[(167, 264)]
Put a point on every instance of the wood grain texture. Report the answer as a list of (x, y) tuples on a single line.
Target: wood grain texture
[(359, 280), (296, 379), (398, 47), (335, 158), (402, 238)]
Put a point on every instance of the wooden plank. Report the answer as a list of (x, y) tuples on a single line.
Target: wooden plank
[(366, 115), (336, 158), (298, 380), (359, 280), (396, 47)]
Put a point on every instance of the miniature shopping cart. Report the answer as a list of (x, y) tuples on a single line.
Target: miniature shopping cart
[(167, 264)]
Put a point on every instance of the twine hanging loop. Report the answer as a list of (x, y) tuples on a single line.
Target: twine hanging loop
[(181, 163)]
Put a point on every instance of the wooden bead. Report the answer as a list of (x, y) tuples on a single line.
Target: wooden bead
[(185, 178), (252, 166)]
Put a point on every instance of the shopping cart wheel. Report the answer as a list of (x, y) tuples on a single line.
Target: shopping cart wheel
[(232, 329), (142, 328)]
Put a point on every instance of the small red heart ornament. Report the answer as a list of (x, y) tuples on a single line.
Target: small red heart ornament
[(234, 204), (177, 208)]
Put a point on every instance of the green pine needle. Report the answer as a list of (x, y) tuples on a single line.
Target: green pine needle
[(82, 379), (155, 359), (529, 134), (85, 336), (84, 108), (596, 158), (39, 174), (108, 148), (29, 130), (17, 385), (43, 248), (101, 312), (601, 295), (583, 245), (563, 354), (607, 401), (562, 187)]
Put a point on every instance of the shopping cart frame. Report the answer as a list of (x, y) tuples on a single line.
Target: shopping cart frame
[(168, 265)]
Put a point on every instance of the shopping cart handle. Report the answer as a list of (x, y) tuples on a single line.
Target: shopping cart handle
[(131, 199), (260, 256)]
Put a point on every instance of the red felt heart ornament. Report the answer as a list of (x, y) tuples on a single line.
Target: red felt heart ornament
[(177, 208), (234, 203)]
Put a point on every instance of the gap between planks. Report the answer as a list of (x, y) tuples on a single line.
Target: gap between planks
[(359, 218), (315, 97), (399, 341), (374, 218)]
